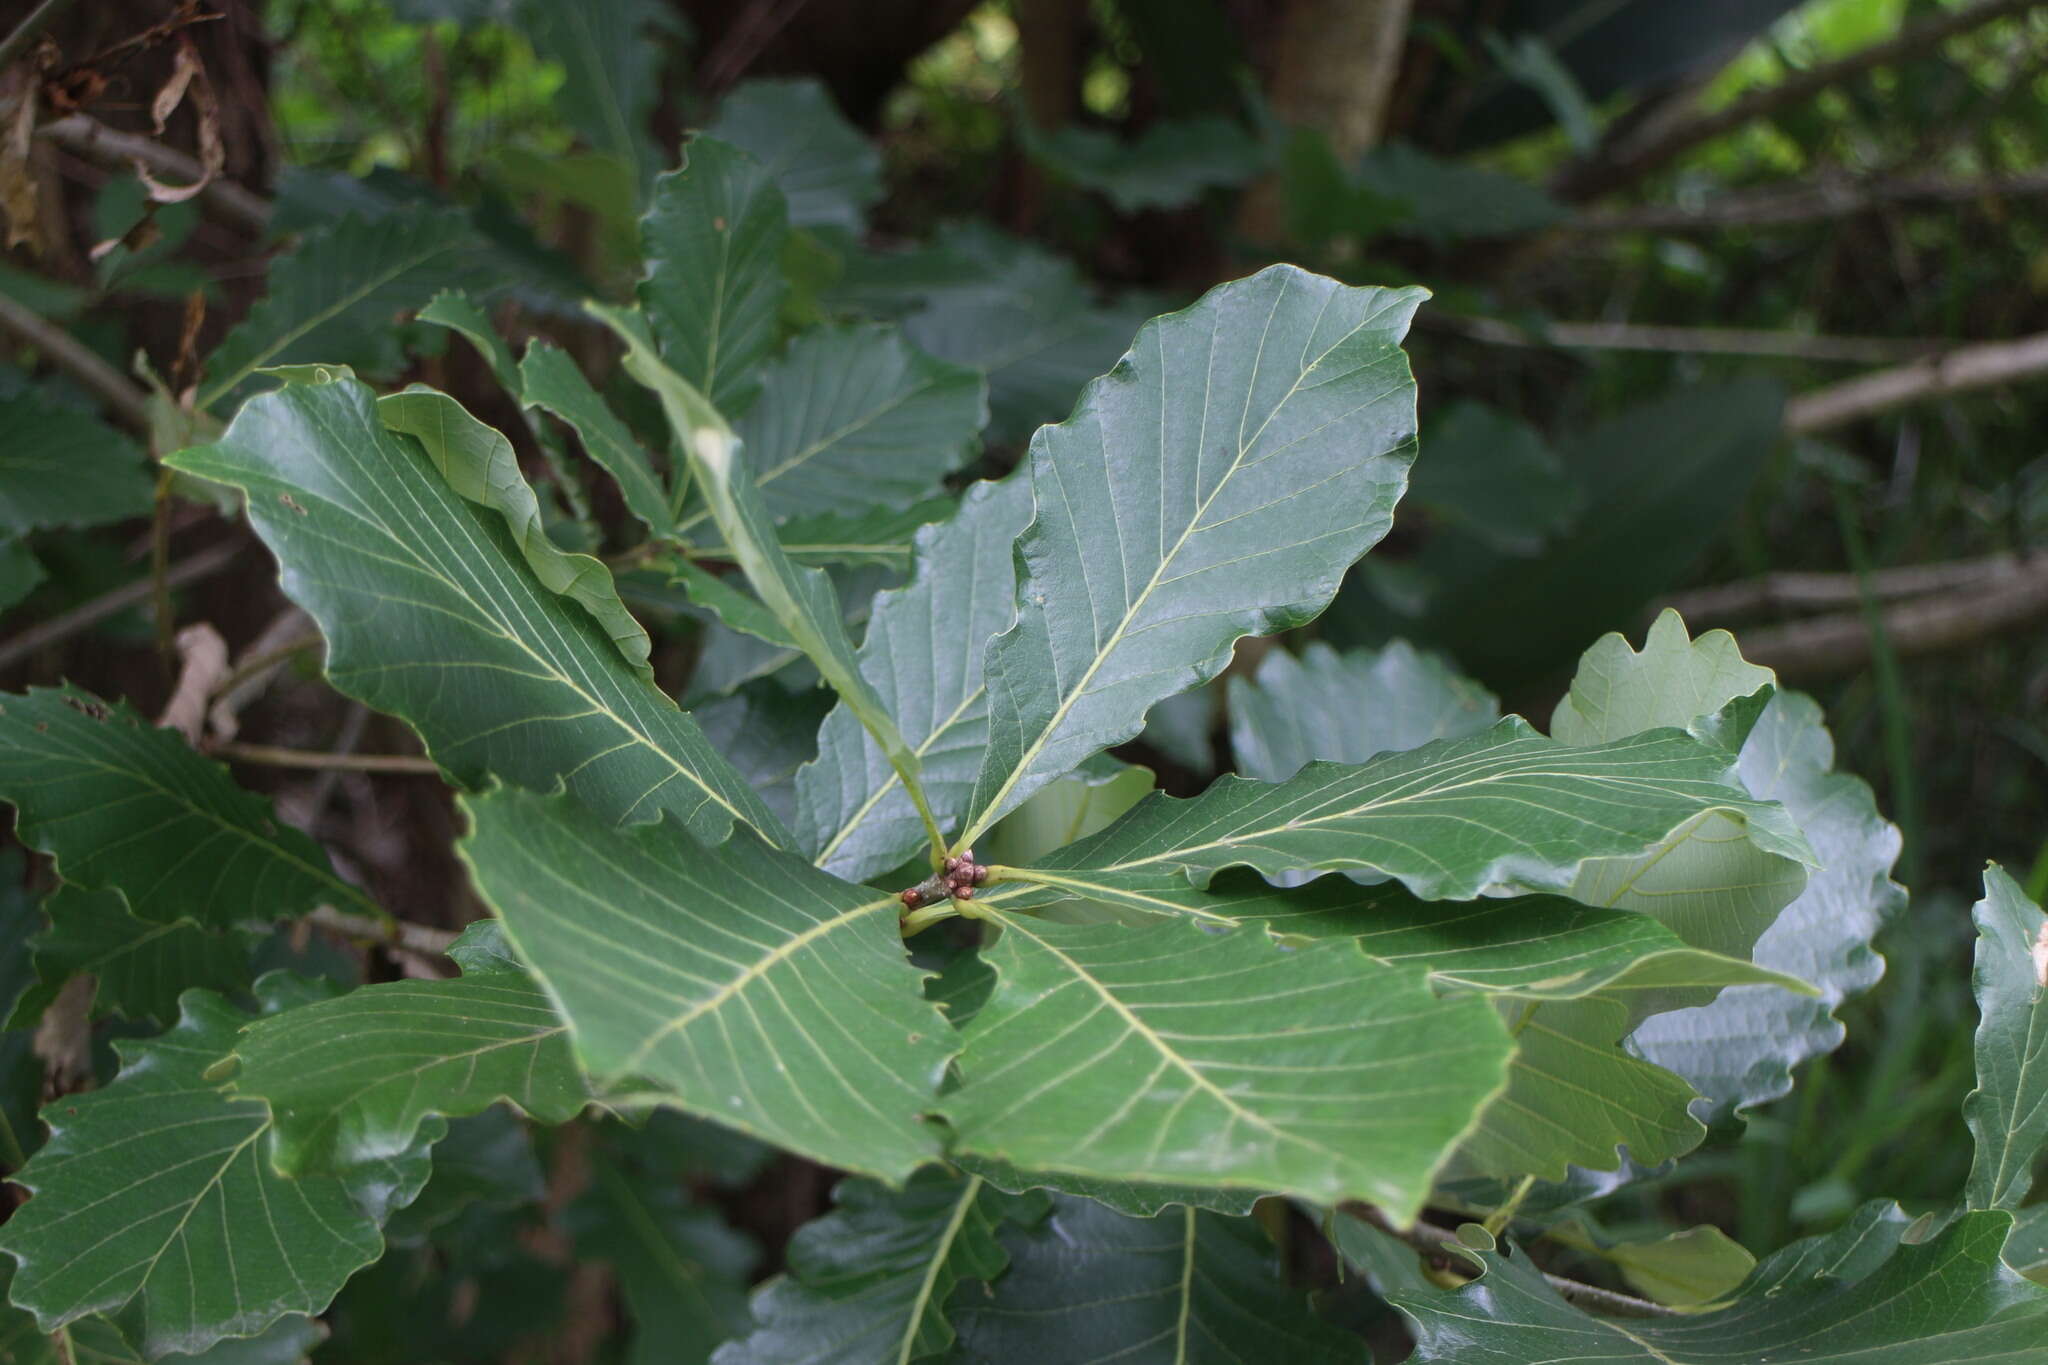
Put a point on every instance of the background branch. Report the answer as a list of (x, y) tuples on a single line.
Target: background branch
[(1615, 167), (1825, 198), (1966, 367), (109, 147), (122, 398)]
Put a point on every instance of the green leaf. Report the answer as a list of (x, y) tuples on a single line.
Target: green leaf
[(331, 298), (870, 1281), (713, 239), (855, 418), (1492, 476), (828, 172), (744, 985), (1574, 1098), (768, 735), (63, 468), (122, 804), (736, 608), (2008, 1111), (351, 1079), (432, 614), (1450, 820), (455, 310), (681, 1270), (1023, 316), (153, 1202), (1349, 707), (851, 807), (478, 463), (611, 71), (1168, 166), (1090, 1285), (801, 600), (880, 537), (1686, 1269), (1947, 1300), (1444, 201), (139, 967), (1136, 1199), (487, 1160), (1209, 487), (1526, 947), (1740, 1049), (1072, 808), (550, 379), (20, 572), (2027, 1249), (1172, 1054)]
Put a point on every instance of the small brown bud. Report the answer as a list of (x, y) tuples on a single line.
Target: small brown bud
[(964, 893), (911, 899)]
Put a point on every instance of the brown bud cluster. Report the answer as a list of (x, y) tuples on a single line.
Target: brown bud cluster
[(955, 880)]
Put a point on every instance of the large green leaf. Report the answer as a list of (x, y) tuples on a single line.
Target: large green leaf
[(739, 982), (1207, 488), (1348, 707), (768, 734), (351, 1079), (1172, 1054), (139, 967), (1135, 1198), (681, 1270), (550, 379), (713, 238), (154, 1203), (827, 171), (1168, 166), (611, 71), (1506, 808), (122, 804), (870, 1281), (1090, 1285), (1011, 309), (432, 614), (1740, 1049), (855, 418), (478, 462), (1527, 947), (2008, 1111), (1878, 1303), (922, 653), (331, 298), (1492, 476), (801, 600), (881, 537), (63, 468)]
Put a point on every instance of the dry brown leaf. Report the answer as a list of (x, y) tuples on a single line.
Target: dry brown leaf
[(63, 1038), (17, 176), (204, 664), (187, 78)]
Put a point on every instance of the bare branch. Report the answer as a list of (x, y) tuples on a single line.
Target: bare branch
[(1966, 367), (110, 147), (271, 755), (1840, 642), (123, 398), (1617, 166), (395, 933), (25, 32), (1793, 592), (1629, 336), (208, 561), (1802, 203)]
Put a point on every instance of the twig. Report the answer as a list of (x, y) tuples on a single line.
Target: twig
[(1428, 1238), (208, 561), (273, 756), (1840, 642), (1614, 167), (1628, 336), (1829, 198), (67, 353), (95, 141), (743, 42), (395, 933), (25, 32), (1967, 367), (1812, 591)]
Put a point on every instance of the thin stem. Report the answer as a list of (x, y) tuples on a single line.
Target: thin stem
[(206, 562), (917, 921), (249, 668), (67, 353), (1497, 1221), (276, 757), (389, 932)]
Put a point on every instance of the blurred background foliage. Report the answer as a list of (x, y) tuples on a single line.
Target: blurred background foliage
[(1738, 306)]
